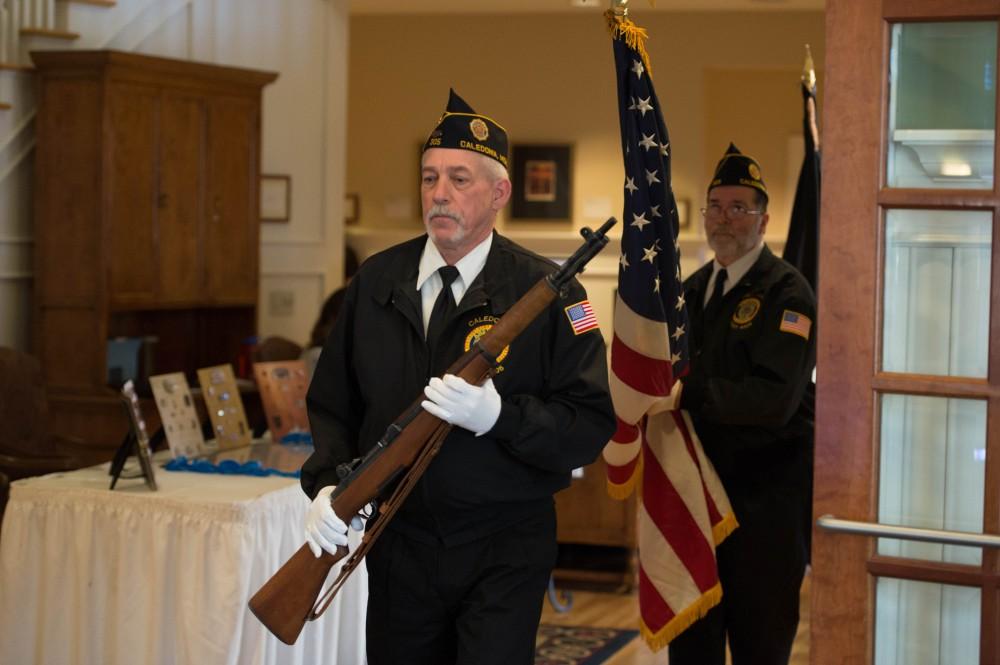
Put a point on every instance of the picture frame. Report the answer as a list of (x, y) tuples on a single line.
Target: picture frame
[(275, 198), (683, 214), (352, 209), (136, 441), (542, 182)]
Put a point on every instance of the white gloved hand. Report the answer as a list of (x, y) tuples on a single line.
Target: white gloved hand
[(476, 408), (324, 530)]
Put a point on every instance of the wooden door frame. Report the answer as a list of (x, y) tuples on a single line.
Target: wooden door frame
[(844, 567)]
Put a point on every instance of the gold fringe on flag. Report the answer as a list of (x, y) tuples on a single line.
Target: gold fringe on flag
[(682, 621), (634, 36), (722, 530), (633, 484)]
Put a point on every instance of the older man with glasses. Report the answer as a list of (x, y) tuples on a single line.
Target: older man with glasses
[(750, 396)]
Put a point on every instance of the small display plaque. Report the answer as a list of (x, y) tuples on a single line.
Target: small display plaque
[(178, 415), (283, 388), (225, 408)]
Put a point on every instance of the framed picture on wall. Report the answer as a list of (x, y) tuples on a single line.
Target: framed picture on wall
[(275, 198), (683, 214), (352, 209), (542, 184)]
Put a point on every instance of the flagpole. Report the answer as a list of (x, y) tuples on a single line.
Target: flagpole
[(809, 81), (802, 245), (655, 451)]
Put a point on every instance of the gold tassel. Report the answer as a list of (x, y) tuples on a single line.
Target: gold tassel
[(722, 530), (682, 621), (633, 484), (634, 36)]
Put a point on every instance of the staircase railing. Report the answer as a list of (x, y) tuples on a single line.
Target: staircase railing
[(16, 15)]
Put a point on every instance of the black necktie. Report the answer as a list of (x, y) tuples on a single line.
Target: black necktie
[(715, 302), (443, 308)]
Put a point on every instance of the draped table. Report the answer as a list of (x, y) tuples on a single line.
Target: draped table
[(89, 575)]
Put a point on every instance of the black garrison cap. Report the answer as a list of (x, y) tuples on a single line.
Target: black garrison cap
[(462, 128), (735, 168)]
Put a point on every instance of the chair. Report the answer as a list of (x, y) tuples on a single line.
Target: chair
[(276, 348), (26, 446)]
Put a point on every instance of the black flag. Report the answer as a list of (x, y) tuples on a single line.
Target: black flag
[(802, 248)]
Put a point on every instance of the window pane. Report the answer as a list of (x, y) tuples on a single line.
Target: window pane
[(937, 292), (919, 623), (942, 102), (932, 472)]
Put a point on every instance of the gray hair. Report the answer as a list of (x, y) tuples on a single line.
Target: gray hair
[(494, 169)]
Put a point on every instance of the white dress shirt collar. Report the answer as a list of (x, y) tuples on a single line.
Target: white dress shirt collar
[(735, 271), (429, 281)]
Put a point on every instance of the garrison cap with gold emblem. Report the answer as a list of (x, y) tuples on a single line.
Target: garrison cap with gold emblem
[(462, 128), (735, 168)]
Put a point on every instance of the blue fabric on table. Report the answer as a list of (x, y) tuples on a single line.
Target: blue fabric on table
[(297, 438), (226, 467)]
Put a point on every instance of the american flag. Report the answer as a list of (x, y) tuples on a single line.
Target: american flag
[(684, 511), (581, 317), (796, 323)]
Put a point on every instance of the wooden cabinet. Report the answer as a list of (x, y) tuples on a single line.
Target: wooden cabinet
[(596, 534), (146, 220)]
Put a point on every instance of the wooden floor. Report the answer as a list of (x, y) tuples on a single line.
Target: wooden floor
[(615, 610)]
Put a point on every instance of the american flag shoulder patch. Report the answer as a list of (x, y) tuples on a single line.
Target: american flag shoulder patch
[(581, 317), (795, 323)]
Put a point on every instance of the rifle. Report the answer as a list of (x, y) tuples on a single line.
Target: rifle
[(290, 597)]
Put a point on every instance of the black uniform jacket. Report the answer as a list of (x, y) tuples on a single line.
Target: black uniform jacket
[(556, 412), (749, 389)]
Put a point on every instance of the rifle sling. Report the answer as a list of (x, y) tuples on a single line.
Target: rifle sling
[(386, 510)]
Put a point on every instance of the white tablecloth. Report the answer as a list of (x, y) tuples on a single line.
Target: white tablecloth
[(91, 576)]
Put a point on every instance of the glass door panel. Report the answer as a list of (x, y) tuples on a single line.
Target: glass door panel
[(919, 623), (937, 292), (907, 406), (942, 105), (932, 472)]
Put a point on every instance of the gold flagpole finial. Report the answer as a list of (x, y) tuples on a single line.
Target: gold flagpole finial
[(619, 8), (809, 71)]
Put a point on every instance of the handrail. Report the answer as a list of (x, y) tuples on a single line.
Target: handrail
[(831, 523)]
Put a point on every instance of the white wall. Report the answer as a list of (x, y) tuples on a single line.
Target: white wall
[(304, 116)]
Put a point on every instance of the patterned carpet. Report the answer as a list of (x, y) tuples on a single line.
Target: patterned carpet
[(578, 645)]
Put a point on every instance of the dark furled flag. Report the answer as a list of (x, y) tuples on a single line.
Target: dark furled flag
[(802, 248), (684, 512)]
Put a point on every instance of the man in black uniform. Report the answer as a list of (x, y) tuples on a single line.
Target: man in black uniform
[(460, 572), (749, 394)]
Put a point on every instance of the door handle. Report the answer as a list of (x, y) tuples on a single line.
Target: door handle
[(831, 523)]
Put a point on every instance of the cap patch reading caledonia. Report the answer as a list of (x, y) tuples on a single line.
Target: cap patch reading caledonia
[(462, 128), (735, 168)]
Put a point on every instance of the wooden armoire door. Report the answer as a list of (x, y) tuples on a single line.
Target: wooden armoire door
[(907, 485), (231, 218), (179, 197), (131, 191)]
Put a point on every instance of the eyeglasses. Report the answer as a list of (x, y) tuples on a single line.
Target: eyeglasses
[(735, 212)]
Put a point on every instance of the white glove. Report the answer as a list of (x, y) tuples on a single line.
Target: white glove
[(476, 408), (324, 530)]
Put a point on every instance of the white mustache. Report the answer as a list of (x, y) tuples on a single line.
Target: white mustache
[(442, 211)]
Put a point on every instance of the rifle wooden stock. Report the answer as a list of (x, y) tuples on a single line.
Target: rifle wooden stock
[(286, 601)]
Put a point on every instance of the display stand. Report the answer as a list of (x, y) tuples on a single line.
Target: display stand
[(224, 406), (282, 386), (136, 441)]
